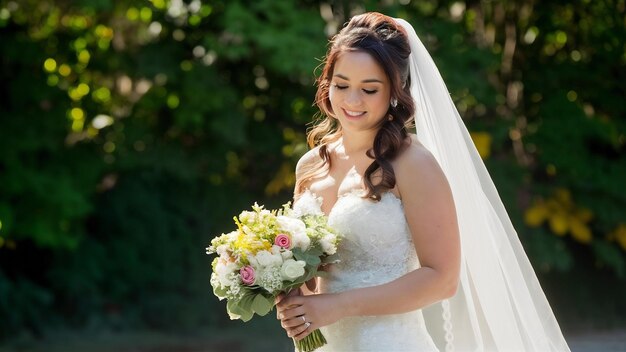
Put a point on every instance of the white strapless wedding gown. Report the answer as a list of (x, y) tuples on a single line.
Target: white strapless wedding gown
[(376, 248)]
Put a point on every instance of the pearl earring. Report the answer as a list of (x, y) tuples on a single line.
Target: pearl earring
[(394, 102)]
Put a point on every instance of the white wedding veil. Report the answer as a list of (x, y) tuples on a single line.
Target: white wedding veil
[(499, 305)]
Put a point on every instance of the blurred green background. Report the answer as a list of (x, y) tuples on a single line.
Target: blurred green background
[(132, 131)]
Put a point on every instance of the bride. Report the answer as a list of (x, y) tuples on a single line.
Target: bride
[(422, 222)]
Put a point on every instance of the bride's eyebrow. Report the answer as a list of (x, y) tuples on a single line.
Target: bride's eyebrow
[(369, 80)]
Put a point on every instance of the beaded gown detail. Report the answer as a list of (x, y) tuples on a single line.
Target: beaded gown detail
[(376, 248)]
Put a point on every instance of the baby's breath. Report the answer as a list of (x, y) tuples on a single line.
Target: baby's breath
[(270, 279)]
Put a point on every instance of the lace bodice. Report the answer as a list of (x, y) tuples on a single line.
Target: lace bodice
[(376, 248), (376, 245)]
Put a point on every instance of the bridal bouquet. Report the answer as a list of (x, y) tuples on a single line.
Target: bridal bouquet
[(270, 252)]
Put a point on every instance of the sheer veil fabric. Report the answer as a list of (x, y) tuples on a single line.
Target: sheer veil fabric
[(499, 305)]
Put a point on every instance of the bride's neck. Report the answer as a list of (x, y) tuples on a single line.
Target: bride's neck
[(351, 145)]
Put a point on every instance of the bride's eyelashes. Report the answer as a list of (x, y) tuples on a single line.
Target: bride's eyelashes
[(366, 91)]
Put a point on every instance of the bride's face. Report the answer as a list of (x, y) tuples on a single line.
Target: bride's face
[(359, 91)]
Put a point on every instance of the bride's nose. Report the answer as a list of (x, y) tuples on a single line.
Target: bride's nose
[(353, 98)]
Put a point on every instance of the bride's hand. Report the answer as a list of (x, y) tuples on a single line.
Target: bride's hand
[(280, 297), (301, 315)]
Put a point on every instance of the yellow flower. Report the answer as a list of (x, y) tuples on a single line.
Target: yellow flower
[(619, 234), (558, 223), (251, 244), (554, 206), (482, 141), (584, 214), (536, 214), (579, 230), (563, 216)]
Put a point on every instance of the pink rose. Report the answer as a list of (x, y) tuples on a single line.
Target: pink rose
[(283, 241), (247, 275)]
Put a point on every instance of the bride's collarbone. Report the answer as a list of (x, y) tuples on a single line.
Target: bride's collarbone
[(345, 177), (331, 188), (337, 185)]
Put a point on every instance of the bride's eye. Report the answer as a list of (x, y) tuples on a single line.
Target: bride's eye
[(370, 91), (340, 87)]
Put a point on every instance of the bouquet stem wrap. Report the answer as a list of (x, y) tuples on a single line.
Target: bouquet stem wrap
[(311, 342)]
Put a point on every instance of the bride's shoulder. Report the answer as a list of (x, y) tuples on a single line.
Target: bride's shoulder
[(417, 165), (414, 154), (308, 160)]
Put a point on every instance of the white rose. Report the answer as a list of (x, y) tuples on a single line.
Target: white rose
[(287, 254), (290, 224), (297, 229), (223, 270), (292, 269), (265, 258), (328, 244), (301, 240)]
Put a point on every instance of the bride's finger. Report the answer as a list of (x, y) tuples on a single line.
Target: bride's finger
[(305, 330), (279, 298), (292, 322), (291, 312), (288, 302), (283, 295), (300, 331), (276, 301)]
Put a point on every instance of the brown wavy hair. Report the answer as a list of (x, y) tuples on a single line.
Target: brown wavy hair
[(386, 41)]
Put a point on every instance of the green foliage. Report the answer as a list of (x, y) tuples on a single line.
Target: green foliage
[(609, 256), (241, 309), (24, 303), (147, 237), (575, 119), (550, 252), (262, 305), (311, 257)]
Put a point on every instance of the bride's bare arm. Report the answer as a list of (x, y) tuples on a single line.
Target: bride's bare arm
[(430, 213), (431, 216)]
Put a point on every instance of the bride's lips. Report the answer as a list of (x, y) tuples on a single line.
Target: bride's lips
[(350, 114)]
